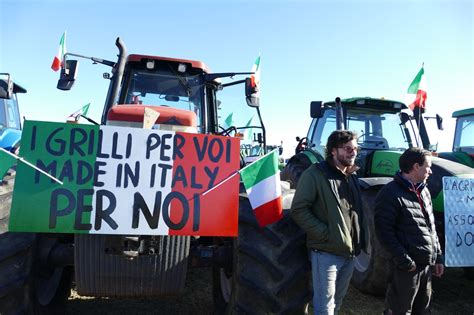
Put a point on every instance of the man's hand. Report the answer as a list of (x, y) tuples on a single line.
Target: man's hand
[(438, 270)]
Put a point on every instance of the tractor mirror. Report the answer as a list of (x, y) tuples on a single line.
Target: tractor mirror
[(252, 93), (404, 118), (6, 88), (439, 122), (68, 75), (316, 109)]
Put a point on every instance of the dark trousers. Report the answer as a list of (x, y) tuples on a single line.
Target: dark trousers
[(409, 292)]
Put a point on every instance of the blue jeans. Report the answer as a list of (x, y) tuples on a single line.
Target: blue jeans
[(331, 277)]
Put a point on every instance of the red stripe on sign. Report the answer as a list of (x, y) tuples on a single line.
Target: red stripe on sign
[(269, 212), (204, 161)]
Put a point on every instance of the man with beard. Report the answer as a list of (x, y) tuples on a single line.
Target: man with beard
[(327, 206), (405, 226)]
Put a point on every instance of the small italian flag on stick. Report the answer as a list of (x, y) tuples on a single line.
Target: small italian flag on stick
[(78, 113), (416, 93), (262, 183), (229, 121), (59, 58), (255, 77)]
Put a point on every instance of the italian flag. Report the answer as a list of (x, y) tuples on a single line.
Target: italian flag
[(256, 70), (262, 183), (59, 58), (416, 93), (229, 121), (78, 113), (249, 131)]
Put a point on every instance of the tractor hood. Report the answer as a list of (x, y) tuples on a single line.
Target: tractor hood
[(441, 168), (385, 163), (173, 119)]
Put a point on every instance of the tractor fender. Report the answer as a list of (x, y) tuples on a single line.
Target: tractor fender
[(297, 164), (369, 182), (9, 139)]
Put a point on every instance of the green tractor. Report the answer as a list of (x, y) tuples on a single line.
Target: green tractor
[(463, 144), (384, 130)]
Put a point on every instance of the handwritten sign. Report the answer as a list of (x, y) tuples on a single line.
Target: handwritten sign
[(125, 181), (459, 221)]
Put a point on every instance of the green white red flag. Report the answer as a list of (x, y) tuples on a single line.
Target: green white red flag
[(416, 93), (59, 58), (229, 121), (249, 131), (262, 183), (255, 77), (78, 113)]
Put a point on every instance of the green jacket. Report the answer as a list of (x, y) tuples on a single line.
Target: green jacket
[(317, 211)]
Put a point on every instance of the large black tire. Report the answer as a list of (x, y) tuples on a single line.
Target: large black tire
[(6, 193), (469, 273), (294, 168), (27, 287), (371, 271), (270, 269)]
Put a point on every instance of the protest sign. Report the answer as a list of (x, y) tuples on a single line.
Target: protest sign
[(126, 181), (459, 221)]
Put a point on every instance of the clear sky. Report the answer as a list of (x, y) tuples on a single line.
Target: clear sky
[(310, 50)]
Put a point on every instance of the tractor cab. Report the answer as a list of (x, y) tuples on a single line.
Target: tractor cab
[(379, 123), (384, 131), (463, 143), (10, 124), (463, 140), (181, 92), (174, 88)]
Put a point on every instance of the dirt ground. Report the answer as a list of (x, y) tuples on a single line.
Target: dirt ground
[(453, 294)]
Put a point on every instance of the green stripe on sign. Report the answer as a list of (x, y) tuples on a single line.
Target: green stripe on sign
[(6, 162), (67, 152), (260, 170)]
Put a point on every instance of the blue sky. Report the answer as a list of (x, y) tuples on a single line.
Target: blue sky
[(310, 50)]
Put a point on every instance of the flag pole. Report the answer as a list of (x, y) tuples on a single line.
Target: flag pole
[(235, 173), (257, 160), (31, 165), (220, 183)]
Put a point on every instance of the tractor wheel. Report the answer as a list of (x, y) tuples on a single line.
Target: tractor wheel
[(26, 286), (371, 269), (469, 273), (293, 170), (270, 269)]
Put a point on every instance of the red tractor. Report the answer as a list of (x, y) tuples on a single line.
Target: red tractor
[(260, 271)]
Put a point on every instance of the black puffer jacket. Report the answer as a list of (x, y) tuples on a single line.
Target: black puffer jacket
[(404, 224)]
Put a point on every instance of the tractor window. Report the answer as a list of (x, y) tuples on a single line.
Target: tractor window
[(376, 130), (9, 116), (3, 114), (165, 88), (391, 130), (463, 140), (325, 125)]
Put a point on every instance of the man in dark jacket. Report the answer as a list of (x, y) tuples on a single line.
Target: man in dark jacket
[(405, 226), (327, 206)]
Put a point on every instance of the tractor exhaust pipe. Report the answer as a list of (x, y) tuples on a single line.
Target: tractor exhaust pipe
[(339, 115), (117, 74)]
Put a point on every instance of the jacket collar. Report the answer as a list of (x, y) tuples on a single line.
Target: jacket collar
[(408, 184), (350, 170)]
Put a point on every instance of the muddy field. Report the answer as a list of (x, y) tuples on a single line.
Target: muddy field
[(452, 295)]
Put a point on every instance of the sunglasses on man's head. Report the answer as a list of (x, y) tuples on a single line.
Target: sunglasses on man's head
[(350, 149)]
